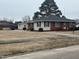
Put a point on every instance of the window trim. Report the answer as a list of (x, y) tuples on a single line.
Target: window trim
[(38, 24), (46, 24)]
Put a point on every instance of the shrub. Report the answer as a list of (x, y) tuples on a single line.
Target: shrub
[(32, 29), (41, 29), (24, 28)]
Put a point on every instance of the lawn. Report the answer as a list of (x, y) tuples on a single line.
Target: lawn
[(17, 34), (71, 32), (20, 42)]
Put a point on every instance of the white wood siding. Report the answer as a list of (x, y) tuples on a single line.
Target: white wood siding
[(42, 26), (21, 25)]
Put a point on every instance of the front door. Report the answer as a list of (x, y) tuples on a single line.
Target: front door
[(53, 26)]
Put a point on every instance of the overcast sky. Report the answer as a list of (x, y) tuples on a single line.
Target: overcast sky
[(20, 8)]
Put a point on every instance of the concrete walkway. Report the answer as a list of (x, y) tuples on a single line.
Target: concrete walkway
[(62, 53)]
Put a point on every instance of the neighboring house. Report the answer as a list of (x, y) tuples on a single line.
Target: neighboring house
[(77, 23), (22, 25), (28, 25), (77, 26), (17, 22), (5, 25), (53, 23)]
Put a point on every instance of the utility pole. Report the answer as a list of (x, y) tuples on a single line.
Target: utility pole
[(73, 31)]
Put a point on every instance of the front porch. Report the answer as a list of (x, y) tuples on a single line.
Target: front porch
[(61, 26)]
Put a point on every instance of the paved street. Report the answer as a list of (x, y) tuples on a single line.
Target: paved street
[(62, 53)]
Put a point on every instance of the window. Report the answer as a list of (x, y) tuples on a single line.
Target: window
[(46, 24), (38, 24)]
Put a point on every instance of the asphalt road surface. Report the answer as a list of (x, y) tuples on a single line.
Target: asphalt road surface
[(62, 53)]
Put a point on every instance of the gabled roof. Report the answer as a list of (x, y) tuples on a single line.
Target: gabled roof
[(53, 18)]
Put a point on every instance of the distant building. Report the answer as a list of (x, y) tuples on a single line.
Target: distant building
[(5, 25)]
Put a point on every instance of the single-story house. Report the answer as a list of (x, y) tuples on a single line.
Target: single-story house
[(28, 25), (5, 25), (53, 23), (22, 25)]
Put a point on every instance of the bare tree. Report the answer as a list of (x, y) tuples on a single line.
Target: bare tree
[(25, 18), (8, 19), (5, 19)]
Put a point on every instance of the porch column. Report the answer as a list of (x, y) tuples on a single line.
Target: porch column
[(53, 26)]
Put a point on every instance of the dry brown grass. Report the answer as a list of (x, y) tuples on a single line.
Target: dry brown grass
[(49, 43), (71, 32), (5, 35), (46, 40)]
